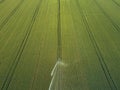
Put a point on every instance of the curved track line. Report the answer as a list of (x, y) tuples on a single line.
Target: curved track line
[(54, 73), (98, 52), (1, 1), (20, 51), (10, 15)]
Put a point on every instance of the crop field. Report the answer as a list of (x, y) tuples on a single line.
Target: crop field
[(59, 44)]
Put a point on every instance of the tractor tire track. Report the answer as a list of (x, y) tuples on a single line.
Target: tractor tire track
[(57, 67), (59, 48), (11, 14), (13, 67), (59, 52), (116, 3), (116, 26), (97, 50)]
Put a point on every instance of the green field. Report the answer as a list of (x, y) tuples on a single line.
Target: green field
[(59, 44)]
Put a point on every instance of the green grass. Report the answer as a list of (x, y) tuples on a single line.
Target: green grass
[(90, 32)]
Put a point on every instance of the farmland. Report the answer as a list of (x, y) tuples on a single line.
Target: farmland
[(59, 45)]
